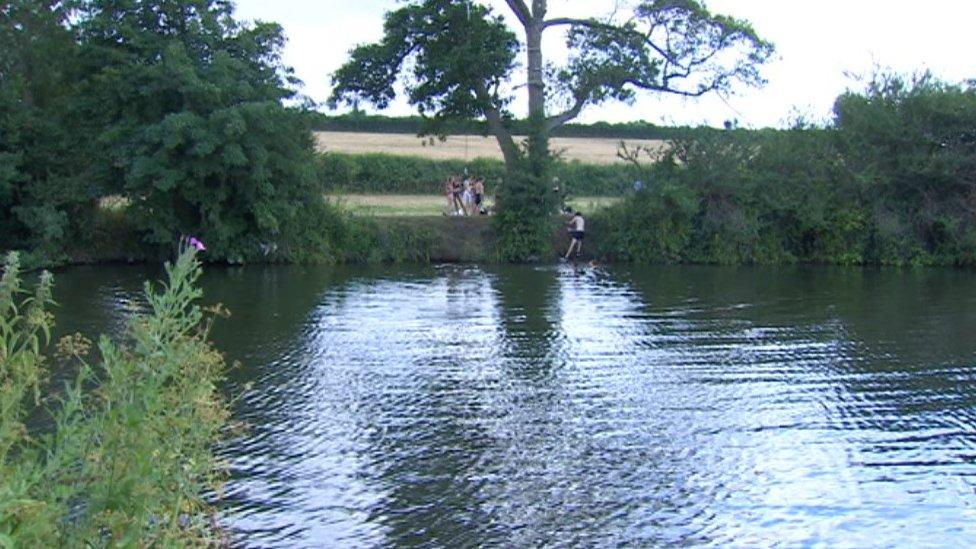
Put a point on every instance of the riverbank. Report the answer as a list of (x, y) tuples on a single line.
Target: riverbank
[(408, 239), (370, 229), (371, 236), (388, 239)]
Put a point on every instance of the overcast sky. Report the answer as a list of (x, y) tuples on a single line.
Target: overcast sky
[(817, 42)]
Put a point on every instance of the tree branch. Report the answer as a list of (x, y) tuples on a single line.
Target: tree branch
[(538, 10), (589, 23), (592, 24), (668, 89), (555, 121), (521, 11), (494, 118)]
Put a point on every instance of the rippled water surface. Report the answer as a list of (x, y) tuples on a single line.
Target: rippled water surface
[(547, 406)]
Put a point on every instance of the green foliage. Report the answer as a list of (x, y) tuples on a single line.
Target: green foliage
[(191, 123), (525, 218), (655, 226), (456, 51), (171, 105), (911, 144), (892, 182), (130, 451), (41, 190)]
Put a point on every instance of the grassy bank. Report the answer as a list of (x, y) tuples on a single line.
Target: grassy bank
[(129, 453), (361, 228), (425, 205)]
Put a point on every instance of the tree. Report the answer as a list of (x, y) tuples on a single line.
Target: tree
[(461, 56), (458, 59), (184, 105), (39, 184)]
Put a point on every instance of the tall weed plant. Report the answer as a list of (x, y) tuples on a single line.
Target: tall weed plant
[(129, 453)]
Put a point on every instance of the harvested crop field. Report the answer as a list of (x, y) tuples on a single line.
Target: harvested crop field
[(588, 150)]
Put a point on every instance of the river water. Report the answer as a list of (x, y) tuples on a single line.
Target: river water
[(553, 406)]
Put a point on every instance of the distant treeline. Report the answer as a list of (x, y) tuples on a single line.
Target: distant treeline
[(382, 173), (414, 125)]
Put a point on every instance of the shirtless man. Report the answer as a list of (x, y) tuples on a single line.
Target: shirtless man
[(577, 230)]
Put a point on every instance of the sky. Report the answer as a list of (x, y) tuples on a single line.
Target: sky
[(824, 47)]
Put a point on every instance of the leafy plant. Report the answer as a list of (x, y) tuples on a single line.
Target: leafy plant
[(130, 453)]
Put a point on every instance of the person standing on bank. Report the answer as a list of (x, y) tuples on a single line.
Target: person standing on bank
[(577, 230), (449, 193), (458, 194), (479, 195)]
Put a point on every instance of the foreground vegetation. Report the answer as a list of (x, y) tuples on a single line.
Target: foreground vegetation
[(125, 453)]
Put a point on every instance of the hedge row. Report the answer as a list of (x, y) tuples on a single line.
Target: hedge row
[(389, 174)]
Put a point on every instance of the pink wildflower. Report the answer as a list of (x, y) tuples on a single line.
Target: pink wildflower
[(196, 244)]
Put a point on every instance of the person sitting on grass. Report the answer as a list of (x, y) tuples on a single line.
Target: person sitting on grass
[(577, 230)]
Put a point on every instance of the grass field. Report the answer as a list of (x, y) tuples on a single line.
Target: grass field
[(588, 150), (412, 205)]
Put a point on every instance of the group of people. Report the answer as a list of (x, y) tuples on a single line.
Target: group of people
[(465, 196)]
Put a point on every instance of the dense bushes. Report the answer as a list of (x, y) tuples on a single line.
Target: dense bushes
[(43, 193), (128, 454), (891, 181), (384, 173), (170, 105)]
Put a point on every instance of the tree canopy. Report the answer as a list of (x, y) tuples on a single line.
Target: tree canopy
[(459, 60), (172, 105)]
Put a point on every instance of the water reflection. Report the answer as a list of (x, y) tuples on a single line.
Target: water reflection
[(559, 406)]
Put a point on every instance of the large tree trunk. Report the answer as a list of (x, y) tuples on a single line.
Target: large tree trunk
[(538, 135), (533, 21), (536, 84)]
